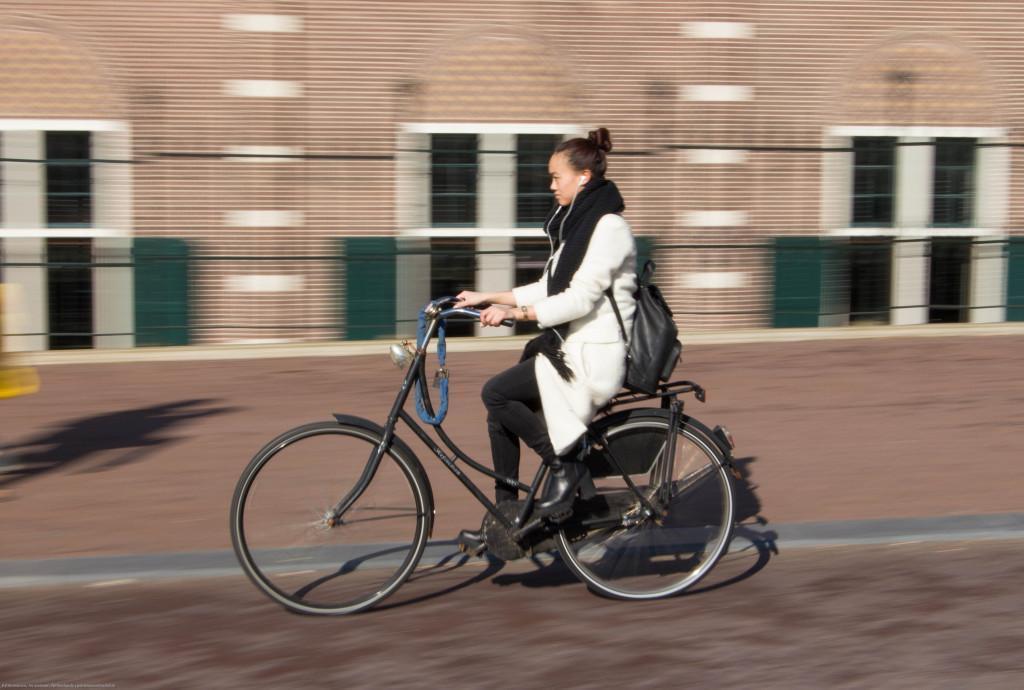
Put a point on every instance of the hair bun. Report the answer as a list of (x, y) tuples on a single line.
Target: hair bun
[(601, 138)]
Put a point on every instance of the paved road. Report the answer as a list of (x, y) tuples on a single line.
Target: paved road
[(123, 460), (934, 615), (115, 459)]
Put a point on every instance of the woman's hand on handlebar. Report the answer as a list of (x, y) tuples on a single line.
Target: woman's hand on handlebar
[(496, 313), (468, 298)]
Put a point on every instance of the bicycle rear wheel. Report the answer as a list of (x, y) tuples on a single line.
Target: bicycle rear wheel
[(619, 553), (284, 541)]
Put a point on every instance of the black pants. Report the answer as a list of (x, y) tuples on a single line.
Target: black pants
[(513, 405)]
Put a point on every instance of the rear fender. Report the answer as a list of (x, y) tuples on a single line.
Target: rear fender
[(684, 420)]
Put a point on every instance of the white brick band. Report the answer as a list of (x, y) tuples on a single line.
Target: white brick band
[(717, 92), (264, 283), (262, 88), (277, 23), (717, 156), (715, 219), (264, 154), (731, 30), (19, 124), (263, 219), (714, 280)]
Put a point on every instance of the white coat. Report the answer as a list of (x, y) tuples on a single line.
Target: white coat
[(593, 347)]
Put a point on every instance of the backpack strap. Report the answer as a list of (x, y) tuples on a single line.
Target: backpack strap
[(642, 279), (622, 326)]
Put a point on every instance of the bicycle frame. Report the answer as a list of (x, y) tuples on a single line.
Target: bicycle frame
[(416, 372)]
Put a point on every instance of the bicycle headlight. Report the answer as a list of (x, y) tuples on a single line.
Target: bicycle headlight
[(400, 353)]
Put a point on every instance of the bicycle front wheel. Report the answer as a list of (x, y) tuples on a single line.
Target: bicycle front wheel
[(613, 547), (290, 548)]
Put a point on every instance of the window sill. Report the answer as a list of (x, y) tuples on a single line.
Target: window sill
[(439, 231), (928, 231)]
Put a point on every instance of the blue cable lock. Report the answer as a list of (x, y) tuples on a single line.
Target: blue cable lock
[(442, 411)]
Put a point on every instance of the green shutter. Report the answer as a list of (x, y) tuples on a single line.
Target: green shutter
[(368, 268), (644, 251), (161, 291), (798, 282), (1015, 280)]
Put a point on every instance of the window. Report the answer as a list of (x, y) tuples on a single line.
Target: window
[(68, 180), (531, 255), (453, 180), (953, 183), (949, 280), (869, 266), (452, 270), (874, 163), (70, 291), (533, 196)]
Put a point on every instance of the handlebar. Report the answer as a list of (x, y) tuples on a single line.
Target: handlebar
[(460, 311), (469, 311)]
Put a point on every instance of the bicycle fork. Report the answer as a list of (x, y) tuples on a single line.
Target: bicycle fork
[(334, 515)]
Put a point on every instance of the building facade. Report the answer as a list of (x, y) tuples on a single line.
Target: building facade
[(223, 171)]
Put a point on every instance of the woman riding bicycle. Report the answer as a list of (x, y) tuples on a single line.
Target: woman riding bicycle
[(578, 362)]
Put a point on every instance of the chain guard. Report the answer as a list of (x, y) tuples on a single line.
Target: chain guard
[(499, 540)]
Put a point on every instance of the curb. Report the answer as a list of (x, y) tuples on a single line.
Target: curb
[(112, 570)]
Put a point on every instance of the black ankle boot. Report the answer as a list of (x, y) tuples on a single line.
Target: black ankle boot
[(566, 476), (503, 493)]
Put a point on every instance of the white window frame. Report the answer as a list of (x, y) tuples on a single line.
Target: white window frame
[(914, 171), (496, 193), (913, 209)]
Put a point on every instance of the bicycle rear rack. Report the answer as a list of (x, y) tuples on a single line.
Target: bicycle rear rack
[(666, 391)]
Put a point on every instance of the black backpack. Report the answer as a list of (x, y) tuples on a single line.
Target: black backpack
[(654, 349)]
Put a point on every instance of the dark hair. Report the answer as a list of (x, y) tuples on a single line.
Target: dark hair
[(589, 153)]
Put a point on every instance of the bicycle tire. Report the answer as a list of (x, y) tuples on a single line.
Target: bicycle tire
[(648, 560), (288, 550)]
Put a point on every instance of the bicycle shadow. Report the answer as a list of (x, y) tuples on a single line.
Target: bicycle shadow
[(751, 526), (135, 432), (551, 572), (447, 564)]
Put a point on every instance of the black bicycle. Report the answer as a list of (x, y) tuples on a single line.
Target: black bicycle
[(332, 517)]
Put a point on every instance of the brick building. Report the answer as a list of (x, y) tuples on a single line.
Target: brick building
[(326, 165)]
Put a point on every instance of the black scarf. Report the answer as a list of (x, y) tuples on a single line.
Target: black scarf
[(571, 226)]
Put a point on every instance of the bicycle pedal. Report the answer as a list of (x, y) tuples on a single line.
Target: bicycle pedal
[(469, 545)]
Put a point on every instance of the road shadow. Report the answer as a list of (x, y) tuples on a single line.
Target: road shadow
[(449, 564), (751, 527), (134, 432)]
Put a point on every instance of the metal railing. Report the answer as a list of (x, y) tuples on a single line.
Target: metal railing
[(364, 290)]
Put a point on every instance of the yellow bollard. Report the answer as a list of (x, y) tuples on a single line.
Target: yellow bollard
[(14, 380)]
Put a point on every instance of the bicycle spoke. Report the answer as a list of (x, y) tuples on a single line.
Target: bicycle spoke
[(293, 547), (646, 557)]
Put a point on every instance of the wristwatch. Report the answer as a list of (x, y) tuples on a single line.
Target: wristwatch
[(522, 308)]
